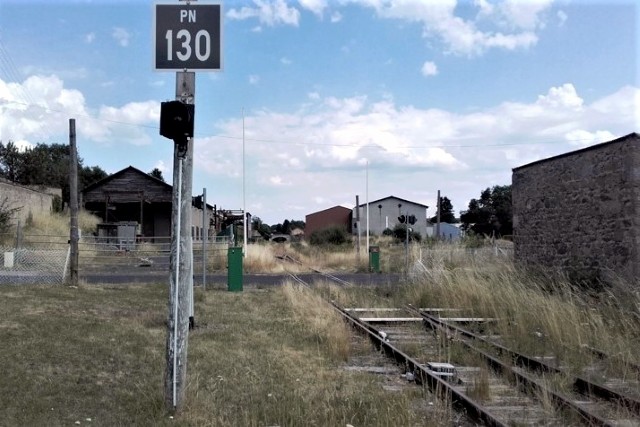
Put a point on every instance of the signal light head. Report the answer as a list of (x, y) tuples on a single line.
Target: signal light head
[(176, 120)]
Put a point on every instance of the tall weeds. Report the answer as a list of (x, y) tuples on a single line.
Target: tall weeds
[(537, 315), (325, 323)]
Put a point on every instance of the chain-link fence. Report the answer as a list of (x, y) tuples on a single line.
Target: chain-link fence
[(143, 259), (44, 259), (33, 259)]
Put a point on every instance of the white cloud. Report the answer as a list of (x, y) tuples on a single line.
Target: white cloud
[(519, 19), (48, 117), (583, 138), (254, 79), (277, 181), (429, 69), (160, 165), (320, 150), (525, 15), (564, 96), (89, 38), (121, 35), (562, 18), (315, 6), (285, 61), (336, 17), (268, 12)]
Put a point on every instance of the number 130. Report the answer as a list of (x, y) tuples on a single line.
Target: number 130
[(202, 46)]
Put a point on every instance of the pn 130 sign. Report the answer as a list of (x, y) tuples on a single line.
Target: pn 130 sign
[(188, 37)]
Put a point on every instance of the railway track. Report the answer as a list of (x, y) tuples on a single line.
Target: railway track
[(489, 382), (595, 403)]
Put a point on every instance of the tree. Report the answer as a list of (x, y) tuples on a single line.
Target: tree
[(491, 213), (10, 161), (446, 212), (261, 227), (88, 175), (287, 226), (7, 212), (157, 173), (46, 165)]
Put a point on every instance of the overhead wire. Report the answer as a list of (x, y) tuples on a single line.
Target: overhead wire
[(311, 143), (10, 70)]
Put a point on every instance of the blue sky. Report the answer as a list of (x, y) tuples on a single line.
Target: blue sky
[(431, 94)]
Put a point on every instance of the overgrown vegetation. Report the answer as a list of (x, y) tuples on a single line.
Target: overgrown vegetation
[(334, 235), (7, 213)]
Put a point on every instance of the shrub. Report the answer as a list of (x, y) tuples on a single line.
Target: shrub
[(7, 212), (400, 233), (330, 236)]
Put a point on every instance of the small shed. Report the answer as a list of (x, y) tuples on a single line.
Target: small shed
[(132, 195)]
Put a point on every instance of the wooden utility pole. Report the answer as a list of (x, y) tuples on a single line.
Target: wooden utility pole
[(181, 264), (205, 237), (358, 225), (438, 218), (73, 203)]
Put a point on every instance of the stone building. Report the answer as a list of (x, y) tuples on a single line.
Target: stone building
[(579, 212), (29, 200)]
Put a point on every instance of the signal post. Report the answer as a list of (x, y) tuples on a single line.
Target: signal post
[(188, 36)]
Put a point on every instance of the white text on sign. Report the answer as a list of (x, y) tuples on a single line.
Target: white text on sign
[(190, 15)]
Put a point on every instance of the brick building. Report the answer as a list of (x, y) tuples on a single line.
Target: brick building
[(335, 216), (579, 212)]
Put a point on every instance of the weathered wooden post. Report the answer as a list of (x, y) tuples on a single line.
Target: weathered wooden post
[(73, 203)]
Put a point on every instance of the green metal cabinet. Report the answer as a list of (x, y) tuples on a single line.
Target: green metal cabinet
[(234, 271), (374, 259)]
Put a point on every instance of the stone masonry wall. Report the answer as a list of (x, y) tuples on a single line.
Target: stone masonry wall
[(28, 199), (579, 213)]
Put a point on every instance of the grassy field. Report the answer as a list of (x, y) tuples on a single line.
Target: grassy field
[(277, 356), (257, 358)]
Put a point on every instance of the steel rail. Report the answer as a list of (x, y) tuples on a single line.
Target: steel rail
[(422, 374), (580, 384), (604, 356)]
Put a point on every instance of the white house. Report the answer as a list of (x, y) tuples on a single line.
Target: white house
[(384, 213)]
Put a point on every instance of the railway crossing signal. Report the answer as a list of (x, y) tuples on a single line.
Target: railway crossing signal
[(410, 219), (176, 120)]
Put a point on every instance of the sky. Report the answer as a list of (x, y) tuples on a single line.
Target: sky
[(330, 98)]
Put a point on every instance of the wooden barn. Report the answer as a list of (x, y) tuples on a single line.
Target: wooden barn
[(131, 196)]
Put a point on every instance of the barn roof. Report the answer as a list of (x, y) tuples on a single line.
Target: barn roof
[(122, 172)]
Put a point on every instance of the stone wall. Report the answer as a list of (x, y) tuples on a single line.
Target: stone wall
[(30, 200), (579, 213)]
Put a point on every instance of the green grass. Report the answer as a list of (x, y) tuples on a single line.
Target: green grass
[(256, 359)]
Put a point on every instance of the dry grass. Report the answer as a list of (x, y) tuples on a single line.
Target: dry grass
[(58, 224), (325, 323), (538, 316), (255, 359)]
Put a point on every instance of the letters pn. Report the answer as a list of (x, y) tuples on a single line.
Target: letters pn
[(190, 15)]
